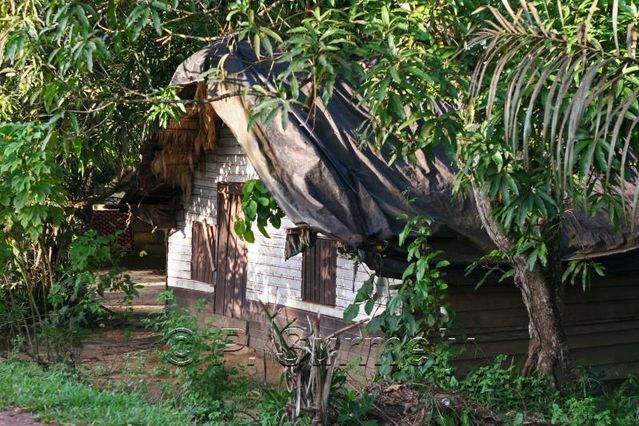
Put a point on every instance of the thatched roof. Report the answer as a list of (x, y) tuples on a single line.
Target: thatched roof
[(182, 144), (164, 177)]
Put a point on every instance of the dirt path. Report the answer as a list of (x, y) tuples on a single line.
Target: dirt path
[(153, 283), (17, 417), (130, 354)]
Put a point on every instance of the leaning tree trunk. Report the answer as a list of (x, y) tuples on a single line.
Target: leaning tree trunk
[(542, 294)]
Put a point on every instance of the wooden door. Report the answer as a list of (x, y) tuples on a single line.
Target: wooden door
[(230, 285)]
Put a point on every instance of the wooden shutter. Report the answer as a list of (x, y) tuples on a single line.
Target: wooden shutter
[(319, 272), (203, 253)]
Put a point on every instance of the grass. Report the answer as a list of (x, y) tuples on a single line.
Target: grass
[(56, 395)]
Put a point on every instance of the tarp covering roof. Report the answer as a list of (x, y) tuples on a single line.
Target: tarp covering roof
[(320, 177)]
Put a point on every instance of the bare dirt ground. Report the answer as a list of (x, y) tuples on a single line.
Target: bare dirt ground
[(129, 355), (17, 417), (153, 283)]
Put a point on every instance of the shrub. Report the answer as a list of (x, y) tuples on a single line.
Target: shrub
[(196, 350), (500, 386), (513, 397)]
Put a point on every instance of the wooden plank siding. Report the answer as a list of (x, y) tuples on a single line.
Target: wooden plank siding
[(494, 317), (269, 278), (601, 323)]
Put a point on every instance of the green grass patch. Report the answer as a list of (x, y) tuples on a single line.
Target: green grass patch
[(56, 395)]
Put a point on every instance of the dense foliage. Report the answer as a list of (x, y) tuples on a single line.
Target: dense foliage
[(76, 94), (59, 395), (195, 352), (416, 310), (534, 102)]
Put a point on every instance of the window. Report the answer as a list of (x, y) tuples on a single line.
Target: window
[(203, 253), (319, 271)]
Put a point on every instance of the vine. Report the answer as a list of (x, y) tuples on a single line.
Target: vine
[(416, 309)]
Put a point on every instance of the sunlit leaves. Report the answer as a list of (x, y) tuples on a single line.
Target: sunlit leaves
[(90, 70), (30, 181), (260, 208), (313, 57), (167, 106), (71, 31), (404, 81), (314, 50), (257, 27), (554, 92), (389, 53), (148, 13), (564, 96), (417, 308)]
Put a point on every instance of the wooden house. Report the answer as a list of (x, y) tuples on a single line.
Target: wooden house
[(206, 259), (346, 197)]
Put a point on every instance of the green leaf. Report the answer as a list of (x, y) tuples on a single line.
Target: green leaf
[(385, 16), (276, 221), (262, 229), (249, 236), (272, 34), (240, 227), (365, 291), (248, 187), (161, 5), (257, 45), (396, 104), (375, 324), (157, 25), (351, 312), (393, 72), (135, 14), (442, 264), (88, 55), (251, 210), (368, 307)]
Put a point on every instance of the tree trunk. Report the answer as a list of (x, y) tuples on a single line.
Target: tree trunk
[(542, 294), (547, 348)]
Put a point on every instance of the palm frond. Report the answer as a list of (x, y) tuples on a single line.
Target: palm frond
[(565, 98)]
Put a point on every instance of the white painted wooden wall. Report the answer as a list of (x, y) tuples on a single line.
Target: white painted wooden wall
[(271, 279)]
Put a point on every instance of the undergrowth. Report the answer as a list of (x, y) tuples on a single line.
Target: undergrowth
[(203, 386), (202, 391), (199, 392), (514, 398)]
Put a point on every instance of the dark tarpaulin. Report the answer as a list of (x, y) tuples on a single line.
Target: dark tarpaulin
[(320, 177)]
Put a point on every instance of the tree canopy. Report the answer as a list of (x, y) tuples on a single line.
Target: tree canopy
[(534, 101)]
